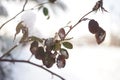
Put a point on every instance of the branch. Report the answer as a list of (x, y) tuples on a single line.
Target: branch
[(23, 9), (8, 51), (71, 28), (15, 15), (29, 62)]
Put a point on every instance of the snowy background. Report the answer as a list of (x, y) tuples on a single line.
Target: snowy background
[(87, 61)]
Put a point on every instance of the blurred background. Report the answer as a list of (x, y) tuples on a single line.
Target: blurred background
[(87, 61)]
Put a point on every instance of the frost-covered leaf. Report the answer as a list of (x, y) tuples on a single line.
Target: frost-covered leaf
[(67, 45), (61, 33), (100, 35), (64, 52), (61, 61)]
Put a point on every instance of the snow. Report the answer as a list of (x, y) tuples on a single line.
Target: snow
[(85, 62)]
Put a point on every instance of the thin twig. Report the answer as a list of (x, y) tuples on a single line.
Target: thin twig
[(26, 1), (23, 9), (15, 15), (8, 52), (29, 62), (77, 23)]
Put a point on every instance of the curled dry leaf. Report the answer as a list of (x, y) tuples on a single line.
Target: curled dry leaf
[(93, 26), (100, 35), (18, 28), (24, 38)]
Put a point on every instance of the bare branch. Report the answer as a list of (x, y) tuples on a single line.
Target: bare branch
[(29, 62), (15, 15), (8, 52), (24, 5), (78, 22), (23, 9)]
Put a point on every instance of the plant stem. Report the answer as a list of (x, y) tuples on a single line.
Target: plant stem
[(77, 23), (29, 62), (8, 52), (15, 15)]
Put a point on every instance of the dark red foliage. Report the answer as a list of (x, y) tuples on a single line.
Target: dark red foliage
[(93, 26)]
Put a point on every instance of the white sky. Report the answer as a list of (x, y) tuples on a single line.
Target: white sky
[(85, 63)]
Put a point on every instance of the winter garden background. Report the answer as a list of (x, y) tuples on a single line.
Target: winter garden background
[(87, 60)]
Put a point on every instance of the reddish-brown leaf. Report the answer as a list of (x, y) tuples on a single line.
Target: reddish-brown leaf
[(100, 35), (64, 52), (93, 26), (61, 61), (40, 53), (34, 47), (61, 33)]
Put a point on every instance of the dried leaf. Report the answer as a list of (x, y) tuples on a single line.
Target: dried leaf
[(49, 42), (34, 44), (18, 28), (93, 26), (61, 33), (24, 38), (40, 53), (34, 47), (61, 61), (64, 52), (48, 60), (97, 6), (67, 45), (100, 35)]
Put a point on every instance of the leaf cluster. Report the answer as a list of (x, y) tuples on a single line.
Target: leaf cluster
[(51, 50)]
